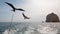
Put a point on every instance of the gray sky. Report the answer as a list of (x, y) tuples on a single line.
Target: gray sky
[(35, 9)]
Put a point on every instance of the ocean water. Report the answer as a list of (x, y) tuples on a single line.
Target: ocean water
[(29, 28)]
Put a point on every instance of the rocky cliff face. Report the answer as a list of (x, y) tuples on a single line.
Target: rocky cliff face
[(52, 18)]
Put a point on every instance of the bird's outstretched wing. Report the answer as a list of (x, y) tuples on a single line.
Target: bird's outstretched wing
[(10, 5), (20, 9), (25, 17)]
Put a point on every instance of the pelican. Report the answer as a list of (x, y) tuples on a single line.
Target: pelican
[(25, 17), (14, 7)]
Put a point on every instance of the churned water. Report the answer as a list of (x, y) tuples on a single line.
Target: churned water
[(29, 28)]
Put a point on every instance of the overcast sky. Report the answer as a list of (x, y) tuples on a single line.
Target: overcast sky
[(37, 10)]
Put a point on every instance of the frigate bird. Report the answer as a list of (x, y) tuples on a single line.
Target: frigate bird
[(14, 7), (25, 17)]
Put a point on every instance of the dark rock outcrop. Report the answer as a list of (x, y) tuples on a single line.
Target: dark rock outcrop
[(52, 18)]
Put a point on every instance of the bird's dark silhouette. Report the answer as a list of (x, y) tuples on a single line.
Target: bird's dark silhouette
[(14, 7), (25, 17)]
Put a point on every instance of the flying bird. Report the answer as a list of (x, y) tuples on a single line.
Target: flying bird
[(14, 7), (25, 17)]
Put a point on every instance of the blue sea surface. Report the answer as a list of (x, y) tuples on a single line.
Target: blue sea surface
[(23, 27), (5, 25)]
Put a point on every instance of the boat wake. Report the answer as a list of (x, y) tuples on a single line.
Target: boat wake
[(40, 29)]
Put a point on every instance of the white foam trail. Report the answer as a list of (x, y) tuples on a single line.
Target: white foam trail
[(40, 29), (47, 30), (9, 32)]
